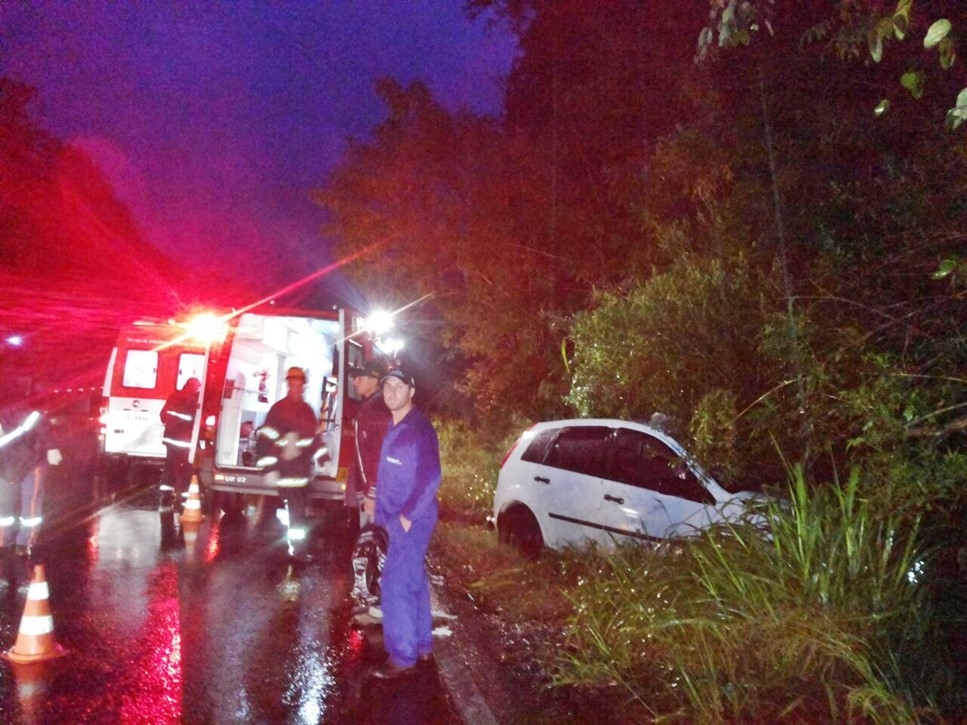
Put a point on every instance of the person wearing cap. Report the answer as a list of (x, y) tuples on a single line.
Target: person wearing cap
[(406, 507), (178, 417), (287, 442), (369, 426)]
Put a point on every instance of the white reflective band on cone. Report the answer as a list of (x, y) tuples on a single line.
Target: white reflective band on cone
[(38, 590), (37, 625)]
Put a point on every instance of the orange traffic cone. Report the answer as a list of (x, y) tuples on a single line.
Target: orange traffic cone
[(192, 512), (35, 641)]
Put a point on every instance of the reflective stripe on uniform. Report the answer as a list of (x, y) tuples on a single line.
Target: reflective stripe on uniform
[(29, 422), (292, 482), (175, 442)]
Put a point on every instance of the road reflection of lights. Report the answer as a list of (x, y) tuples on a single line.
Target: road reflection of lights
[(153, 688), (213, 546), (289, 587), (314, 682), (356, 644)]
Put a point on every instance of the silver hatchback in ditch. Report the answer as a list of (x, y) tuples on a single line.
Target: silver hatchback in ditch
[(570, 482)]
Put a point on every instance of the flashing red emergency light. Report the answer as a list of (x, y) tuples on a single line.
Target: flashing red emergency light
[(207, 328)]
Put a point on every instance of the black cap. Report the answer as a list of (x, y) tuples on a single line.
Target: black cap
[(399, 374), (374, 368)]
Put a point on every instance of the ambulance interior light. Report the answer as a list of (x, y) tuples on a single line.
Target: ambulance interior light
[(379, 322)]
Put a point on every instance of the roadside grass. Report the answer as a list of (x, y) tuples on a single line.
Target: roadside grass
[(819, 621), (499, 580), (470, 467), (495, 577), (825, 619)]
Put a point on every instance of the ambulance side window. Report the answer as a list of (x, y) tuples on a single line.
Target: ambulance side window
[(190, 365), (140, 369)]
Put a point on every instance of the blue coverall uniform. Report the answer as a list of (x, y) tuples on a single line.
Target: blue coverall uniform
[(409, 477)]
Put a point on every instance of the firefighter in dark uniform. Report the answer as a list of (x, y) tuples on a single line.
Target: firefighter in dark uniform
[(369, 427), (178, 417), (287, 444), (27, 448)]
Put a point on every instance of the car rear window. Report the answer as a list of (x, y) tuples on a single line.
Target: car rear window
[(582, 449), (538, 447)]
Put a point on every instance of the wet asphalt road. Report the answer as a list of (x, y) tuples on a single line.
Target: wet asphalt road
[(164, 623)]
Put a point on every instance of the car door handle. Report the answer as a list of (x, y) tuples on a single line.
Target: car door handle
[(609, 497), (542, 479)]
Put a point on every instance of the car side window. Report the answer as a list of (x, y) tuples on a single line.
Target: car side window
[(582, 449), (537, 450), (642, 460)]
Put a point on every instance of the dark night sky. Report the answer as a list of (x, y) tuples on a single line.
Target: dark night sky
[(215, 120)]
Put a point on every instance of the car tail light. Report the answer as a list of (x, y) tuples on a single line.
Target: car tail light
[(507, 454), (517, 442)]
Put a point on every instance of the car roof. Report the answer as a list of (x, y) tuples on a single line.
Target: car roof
[(610, 423)]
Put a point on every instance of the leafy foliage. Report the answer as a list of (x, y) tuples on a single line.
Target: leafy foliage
[(770, 264), (930, 37), (684, 344), (522, 218)]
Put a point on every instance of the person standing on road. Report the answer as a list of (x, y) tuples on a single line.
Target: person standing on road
[(369, 427), (286, 446), (27, 449), (178, 417), (406, 507)]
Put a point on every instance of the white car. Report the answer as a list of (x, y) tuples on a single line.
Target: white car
[(568, 482)]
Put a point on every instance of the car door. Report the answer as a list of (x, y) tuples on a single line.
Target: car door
[(574, 507), (656, 495)]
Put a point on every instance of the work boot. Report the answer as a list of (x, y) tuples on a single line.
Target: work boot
[(166, 498)]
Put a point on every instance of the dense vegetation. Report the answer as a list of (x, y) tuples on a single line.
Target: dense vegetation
[(767, 247)]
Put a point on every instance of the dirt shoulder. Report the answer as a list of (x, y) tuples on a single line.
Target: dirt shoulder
[(498, 664)]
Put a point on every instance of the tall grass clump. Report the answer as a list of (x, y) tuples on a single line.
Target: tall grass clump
[(470, 463), (812, 620)]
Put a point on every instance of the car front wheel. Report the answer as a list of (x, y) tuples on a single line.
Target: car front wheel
[(517, 527)]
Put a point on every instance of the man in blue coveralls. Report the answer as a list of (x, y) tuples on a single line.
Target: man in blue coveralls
[(406, 507)]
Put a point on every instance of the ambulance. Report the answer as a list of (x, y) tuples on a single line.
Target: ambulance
[(241, 359), (151, 359)]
